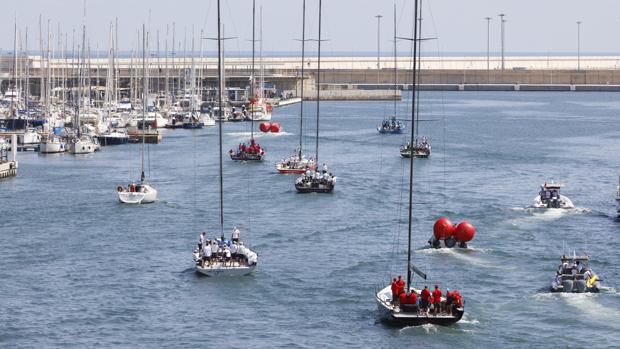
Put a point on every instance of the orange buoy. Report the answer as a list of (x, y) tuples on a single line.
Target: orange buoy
[(265, 126), (443, 228), (275, 127), (464, 232)]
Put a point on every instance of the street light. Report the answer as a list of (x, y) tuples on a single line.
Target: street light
[(378, 17), (578, 45), (503, 22), (488, 19)]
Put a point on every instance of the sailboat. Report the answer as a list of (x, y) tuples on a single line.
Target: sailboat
[(417, 147), (315, 181), (252, 151), (392, 125), (81, 143), (257, 108), (142, 192), (222, 257), (297, 163), (618, 196), (408, 313)]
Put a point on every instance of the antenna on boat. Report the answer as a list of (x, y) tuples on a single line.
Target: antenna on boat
[(413, 126)]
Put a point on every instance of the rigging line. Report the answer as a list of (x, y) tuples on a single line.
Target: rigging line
[(221, 107)]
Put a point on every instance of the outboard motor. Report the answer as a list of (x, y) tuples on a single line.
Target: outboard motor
[(580, 286), (568, 285)]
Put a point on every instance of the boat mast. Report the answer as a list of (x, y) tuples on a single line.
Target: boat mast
[(253, 81), (419, 43), (318, 88), (413, 105), (395, 63), (260, 57), (144, 96), (303, 58), (219, 96), (13, 107)]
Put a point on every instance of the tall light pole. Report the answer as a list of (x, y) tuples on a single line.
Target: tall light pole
[(378, 17), (503, 22), (578, 45), (488, 19)]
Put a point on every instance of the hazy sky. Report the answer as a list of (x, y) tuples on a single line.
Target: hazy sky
[(532, 25)]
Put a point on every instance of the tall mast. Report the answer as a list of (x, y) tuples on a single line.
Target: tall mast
[(219, 96), (303, 58), (395, 62), (318, 88), (144, 96), (13, 107), (419, 43), (413, 105), (260, 57), (253, 81), (27, 88)]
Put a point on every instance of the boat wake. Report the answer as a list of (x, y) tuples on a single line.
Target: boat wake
[(465, 254), (427, 328), (259, 134), (587, 304), (549, 213)]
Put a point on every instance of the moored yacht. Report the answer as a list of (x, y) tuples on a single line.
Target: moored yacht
[(51, 144), (83, 144), (550, 197), (114, 137)]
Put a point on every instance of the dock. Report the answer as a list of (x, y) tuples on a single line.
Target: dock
[(8, 168)]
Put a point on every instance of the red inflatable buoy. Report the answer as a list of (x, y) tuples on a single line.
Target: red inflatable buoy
[(275, 127), (443, 228), (464, 232), (265, 126)]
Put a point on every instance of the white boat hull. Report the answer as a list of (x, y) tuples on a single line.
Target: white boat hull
[(52, 147), (82, 147), (218, 270), (147, 195), (565, 203)]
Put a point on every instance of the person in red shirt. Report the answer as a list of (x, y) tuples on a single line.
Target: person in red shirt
[(401, 284), (436, 299), (457, 298), (394, 292), (402, 298), (412, 298), (426, 296)]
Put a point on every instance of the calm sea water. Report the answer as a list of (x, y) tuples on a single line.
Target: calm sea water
[(80, 270)]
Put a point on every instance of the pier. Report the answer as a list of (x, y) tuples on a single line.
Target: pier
[(8, 168)]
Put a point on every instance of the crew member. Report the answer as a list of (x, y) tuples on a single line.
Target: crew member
[(394, 291), (426, 296), (436, 299), (400, 283), (235, 235)]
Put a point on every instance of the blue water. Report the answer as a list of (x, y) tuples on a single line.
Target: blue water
[(80, 270)]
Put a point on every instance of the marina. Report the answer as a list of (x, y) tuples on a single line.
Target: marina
[(176, 190)]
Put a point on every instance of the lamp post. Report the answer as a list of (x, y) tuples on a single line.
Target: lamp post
[(378, 17), (578, 45), (503, 22)]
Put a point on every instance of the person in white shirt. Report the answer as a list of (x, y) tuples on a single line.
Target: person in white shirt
[(235, 235), (233, 252), (206, 254), (214, 250), (241, 253), (324, 168), (226, 253), (201, 240)]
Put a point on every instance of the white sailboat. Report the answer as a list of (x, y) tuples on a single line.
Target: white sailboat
[(223, 262), (52, 144), (142, 192)]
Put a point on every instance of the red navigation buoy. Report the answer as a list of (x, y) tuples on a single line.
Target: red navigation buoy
[(275, 127), (265, 126), (443, 228), (464, 232)]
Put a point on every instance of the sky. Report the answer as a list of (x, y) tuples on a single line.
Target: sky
[(533, 26)]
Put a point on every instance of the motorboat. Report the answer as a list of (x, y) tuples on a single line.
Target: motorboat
[(448, 235), (575, 276), (295, 164), (140, 193), (417, 149), (114, 137), (51, 144), (316, 182), (550, 197), (29, 138), (192, 121), (206, 116), (391, 126), (258, 109), (175, 120), (236, 115)]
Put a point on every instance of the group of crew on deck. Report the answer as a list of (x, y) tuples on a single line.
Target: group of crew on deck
[(427, 302), (390, 125), (253, 148), (132, 188), (226, 252), (418, 145), (322, 177), (295, 162)]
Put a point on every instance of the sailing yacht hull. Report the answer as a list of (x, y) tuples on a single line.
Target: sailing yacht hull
[(147, 195), (52, 147), (224, 271)]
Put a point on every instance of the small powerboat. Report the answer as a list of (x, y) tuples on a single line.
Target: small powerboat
[(575, 276), (550, 197)]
